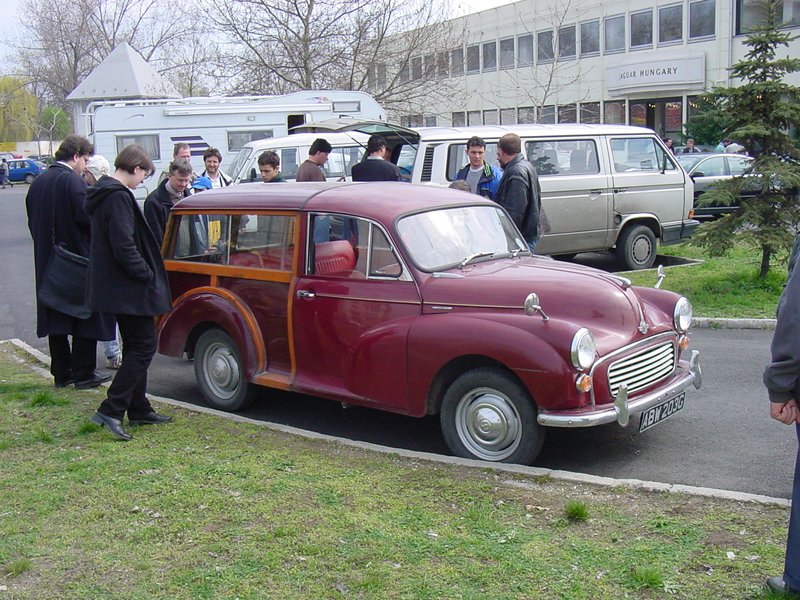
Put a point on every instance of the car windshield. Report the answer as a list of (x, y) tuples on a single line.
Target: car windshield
[(687, 161), (449, 237)]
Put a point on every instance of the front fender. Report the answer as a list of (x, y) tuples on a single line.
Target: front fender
[(535, 350), (212, 307)]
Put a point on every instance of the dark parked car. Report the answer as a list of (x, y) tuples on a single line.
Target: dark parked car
[(707, 169), (25, 169)]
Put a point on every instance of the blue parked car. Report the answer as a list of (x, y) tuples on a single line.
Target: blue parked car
[(25, 169)]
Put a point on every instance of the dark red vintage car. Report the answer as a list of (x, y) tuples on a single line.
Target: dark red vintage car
[(417, 300)]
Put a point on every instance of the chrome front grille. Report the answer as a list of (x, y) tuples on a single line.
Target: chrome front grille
[(642, 369)]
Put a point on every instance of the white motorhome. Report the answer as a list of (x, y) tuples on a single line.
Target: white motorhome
[(603, 186), (226, 124)]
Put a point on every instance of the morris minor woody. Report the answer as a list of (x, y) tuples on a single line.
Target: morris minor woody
[(415, 300)]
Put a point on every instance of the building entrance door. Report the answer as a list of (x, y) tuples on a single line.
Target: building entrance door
[(662, 115)]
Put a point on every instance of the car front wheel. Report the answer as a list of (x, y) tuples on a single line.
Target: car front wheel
[(637, 247), (219, 372), (488, 415)]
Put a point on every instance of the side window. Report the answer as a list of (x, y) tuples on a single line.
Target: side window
[(738, 164), (563, 157), (335, 165), (202, 238), (639, 155), (289, 162), (713, 167), (350, 247), (262, 241), (457, 158)]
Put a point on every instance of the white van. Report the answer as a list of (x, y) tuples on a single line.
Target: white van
[(348, 149), (603, 186)]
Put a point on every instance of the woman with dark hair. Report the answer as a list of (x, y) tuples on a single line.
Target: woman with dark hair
[(126, 278)]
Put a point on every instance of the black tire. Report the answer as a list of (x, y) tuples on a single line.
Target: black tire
[(219, 373), (488, 415), (29, 178), (637, 248)]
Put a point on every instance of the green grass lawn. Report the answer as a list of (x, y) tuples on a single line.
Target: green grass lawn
[(720, 287), (210, 508)]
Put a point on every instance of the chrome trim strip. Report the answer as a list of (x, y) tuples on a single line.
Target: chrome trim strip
[(357, 298), (621, 410)]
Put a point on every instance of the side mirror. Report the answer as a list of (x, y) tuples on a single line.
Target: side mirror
[(697, 174), (253, 175)]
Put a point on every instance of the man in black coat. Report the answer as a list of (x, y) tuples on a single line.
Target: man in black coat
[(56, 215), (376, 167), (173, 189), (519, 192), (126, 278)]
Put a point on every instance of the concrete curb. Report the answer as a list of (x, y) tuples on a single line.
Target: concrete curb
[(716, 323), (500, 468)]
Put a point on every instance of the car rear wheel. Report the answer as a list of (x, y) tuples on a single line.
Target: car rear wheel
[(488, 415), (219, 372), (29, 178), (637, 247)]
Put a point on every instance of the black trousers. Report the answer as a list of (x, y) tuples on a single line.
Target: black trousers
[(127, 390), (76, 363)]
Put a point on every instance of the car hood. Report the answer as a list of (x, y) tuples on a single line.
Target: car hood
[(602, 302)]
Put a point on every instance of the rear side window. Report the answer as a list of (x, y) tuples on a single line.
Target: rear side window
[(632, 155), (457, 158), (738, 164), (713, 167), (563, 157), (289, 162)]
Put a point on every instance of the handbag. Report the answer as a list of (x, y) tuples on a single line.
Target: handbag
[(63, 285)]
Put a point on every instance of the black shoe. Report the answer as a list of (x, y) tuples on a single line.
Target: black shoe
[(93, 381), (64, 382), (151, 418), (114, 426), (777, 584)]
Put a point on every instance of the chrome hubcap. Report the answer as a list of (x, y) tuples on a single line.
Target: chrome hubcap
[(488, 424), (641, 249), (222, 370)]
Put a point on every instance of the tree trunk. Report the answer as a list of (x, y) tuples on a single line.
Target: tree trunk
[(766, 253)]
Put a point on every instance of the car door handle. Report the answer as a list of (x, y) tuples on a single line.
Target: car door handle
[(595, 193), (305, 294), (620, 190)]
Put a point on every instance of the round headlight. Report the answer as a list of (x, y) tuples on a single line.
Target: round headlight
[(583, 349), (682, 316)]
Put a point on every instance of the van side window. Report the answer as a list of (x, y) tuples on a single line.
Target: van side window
[(457, 158), (201, 238), (289, 162), (563, 157), (639, 155), (262, 241)]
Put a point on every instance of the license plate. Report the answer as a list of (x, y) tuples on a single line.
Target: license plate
[(656, 414)]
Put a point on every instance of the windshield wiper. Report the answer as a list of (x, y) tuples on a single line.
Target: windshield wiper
[(472, 257)]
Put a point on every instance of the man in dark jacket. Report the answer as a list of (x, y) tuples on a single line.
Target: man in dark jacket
[(782, 379), (56, 215), (126, 278), (174, 188), (483, 178), (519, 191), (376, 167)]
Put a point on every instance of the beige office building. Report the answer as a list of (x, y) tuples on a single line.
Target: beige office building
[(589, 61)]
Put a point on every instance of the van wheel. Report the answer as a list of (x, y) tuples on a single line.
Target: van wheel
[(637, 248), (219, 373), (488, 415)]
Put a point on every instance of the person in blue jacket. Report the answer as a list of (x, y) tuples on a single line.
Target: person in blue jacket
[(483, 178)]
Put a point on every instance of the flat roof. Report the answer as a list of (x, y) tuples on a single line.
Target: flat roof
[(380, 200)]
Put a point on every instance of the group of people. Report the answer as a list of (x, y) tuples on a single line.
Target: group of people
[(727, 145)]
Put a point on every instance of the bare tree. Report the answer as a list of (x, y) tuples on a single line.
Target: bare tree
[(280, 46)]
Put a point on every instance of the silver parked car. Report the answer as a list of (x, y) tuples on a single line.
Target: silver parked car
[(707, 169)]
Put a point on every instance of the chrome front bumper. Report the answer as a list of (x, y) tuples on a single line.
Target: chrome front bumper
[(622, 409)]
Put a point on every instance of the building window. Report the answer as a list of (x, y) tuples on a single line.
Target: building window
[(524, 50), (670, 24), (642, 29), (457, 62), (615, 34), (567, 114), (590, 38), (490, 56), (544, 47), (430, 120), (474, 118), (490, 117), (473, 59), (526, 115), (638, 114), (702, 19), (590, 112), (430, 66), (405, 74), (614, 112), (566, 42), (507, 53), (753, 14), (416, 68), (547, 114), (442, 65), (459, 119), (508, 116)]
